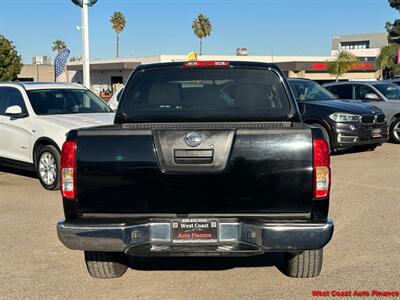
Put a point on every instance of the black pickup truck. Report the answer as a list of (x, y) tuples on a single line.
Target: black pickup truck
[(206, 158)]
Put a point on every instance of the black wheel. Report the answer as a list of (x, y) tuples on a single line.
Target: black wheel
[(325, 134), (395, 131), (106, 264), (48, 166), (306, 264)]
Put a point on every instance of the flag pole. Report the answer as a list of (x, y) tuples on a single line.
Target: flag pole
[(85, 44)]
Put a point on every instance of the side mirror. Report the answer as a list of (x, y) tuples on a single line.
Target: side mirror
[(371, 96), (15, 111)]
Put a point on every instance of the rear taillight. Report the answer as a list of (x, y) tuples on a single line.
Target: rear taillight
[(204, 63), (68, 170), (322, 171)]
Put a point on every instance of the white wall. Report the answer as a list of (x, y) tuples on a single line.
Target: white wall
[(372, 52)]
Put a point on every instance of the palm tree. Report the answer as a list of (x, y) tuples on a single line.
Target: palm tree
[(342, 64), (58, 45), (118, 24), (202, 28)]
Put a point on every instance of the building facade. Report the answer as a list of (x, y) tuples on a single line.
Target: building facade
[(37, 72), (106, 73), (365, 46)]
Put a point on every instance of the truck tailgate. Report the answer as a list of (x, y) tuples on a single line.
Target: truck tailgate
[(237, 169)]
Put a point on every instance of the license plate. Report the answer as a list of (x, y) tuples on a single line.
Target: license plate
[(198, 230), (376, 133)]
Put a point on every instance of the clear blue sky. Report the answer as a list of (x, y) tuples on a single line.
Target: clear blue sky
[(289, 27)]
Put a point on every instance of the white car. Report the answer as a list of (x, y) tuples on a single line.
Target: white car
[(34, 120), (114, 100)]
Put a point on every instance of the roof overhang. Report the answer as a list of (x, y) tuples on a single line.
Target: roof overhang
[(105, 66)]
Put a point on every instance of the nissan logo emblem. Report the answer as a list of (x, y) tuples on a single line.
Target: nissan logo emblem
[(193, 139)]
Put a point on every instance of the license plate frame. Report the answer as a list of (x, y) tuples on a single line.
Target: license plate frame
[(195, 231), (376, 133)]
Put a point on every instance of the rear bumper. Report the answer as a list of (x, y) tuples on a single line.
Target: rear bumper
[(235, 238)]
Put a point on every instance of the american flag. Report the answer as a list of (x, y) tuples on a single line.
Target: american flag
[(59, 65)]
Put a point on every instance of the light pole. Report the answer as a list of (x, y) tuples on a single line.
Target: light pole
[(84, 4), (85, 45)]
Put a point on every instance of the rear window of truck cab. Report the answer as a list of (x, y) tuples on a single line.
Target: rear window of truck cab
[(210, 93)]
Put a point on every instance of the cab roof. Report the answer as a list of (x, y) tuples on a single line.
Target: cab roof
[(248, 64)]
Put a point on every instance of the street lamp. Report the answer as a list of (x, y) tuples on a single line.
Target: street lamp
[(79, 2), (84, 4)]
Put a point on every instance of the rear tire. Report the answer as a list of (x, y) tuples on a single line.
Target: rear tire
[(395, 131), (48, 167), (306, 264), (106, 264)]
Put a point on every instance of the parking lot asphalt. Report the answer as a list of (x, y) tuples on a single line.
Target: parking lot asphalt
[(364, 254)]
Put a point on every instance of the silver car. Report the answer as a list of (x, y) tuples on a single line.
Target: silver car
[(394, 80), (384, 95)]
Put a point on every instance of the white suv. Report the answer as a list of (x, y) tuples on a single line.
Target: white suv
[(34, 119)]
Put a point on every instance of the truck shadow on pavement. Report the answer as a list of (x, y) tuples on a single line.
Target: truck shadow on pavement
[(204, 263), (351, 151), (19, 172)]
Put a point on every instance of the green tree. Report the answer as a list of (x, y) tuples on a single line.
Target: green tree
[(393, 29), (395, 4), (10, 61), (342, 64), (387, 61), (202, 28), (118, 24), (58, 45)]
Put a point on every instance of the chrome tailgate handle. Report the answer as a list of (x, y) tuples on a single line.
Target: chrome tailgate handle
[(193, 156)]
